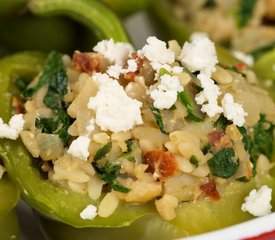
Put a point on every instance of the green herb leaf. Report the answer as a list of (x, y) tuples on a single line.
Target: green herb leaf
[(249, 146), (47, 125), (222, 165), (246, 11), (108, 172), (210, 4), (21, 83), (222, 122), (263, 137), (194, 160), (206, 149), (53, 74), (158, 118), (129, 144), (102, 152), (188, 102), (163, 71)]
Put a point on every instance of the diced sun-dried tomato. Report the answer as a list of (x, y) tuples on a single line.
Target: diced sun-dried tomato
[(215, 136), (219, 140), (161, 162), (130, 76), (18, 105), (209, 190), (85, 62), (241, 66)]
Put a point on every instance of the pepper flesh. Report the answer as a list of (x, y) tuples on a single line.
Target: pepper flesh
[(17, 33), (91, 13), (192, 218), (9, 196)]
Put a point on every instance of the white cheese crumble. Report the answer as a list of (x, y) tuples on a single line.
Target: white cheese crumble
[(115, 111), (80, 148), (208, 96), (258, 202), (199, 55), (132, 66), (91, 126), (89, 212), (114, 71), (247, 59), (116, 53), (233, 111), (156, 51), (13, 129), (165, 95), (171, 69), (102, 79)]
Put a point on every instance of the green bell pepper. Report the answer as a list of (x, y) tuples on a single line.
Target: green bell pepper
[(192, 218), (64, 205), (9, 196), (168, 27), (124, 8), (38, 28)]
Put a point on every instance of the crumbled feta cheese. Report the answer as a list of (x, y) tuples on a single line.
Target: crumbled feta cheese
[(91, 126), (13, 129), (102, 79), (115, 111), (208, 96), (233, 111), (114, 71), (171, 69), (156, 51), (89, 212), (165, 95), (80, 148), (258, 202), (199, 55), (247, 59), (132, 66), (116, 53)]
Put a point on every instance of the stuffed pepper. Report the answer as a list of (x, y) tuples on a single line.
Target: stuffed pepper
[(117, 139)]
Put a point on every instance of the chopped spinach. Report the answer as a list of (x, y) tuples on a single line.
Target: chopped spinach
[(222, 122), (109, 171), (163, 71), (129, 144), (250, 148), (194, 160), (102, 152), (210, 4), (222, 165), (53, 72), (206, 149), (47, 125), (188, 102), (128, 154), (158, 118), (248, 142), (245, 11), (263, 136), (54, 76), (21, 83)]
